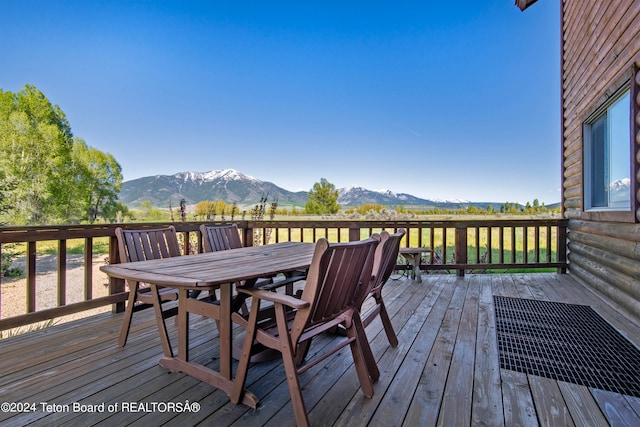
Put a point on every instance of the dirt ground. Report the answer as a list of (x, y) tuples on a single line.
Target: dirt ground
[(13, 291)]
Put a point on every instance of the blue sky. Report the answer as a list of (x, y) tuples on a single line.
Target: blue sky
[(439, 99)]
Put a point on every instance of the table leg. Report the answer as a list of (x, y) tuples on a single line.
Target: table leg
[(416, 268), (225, 330), (222, 379), (414, 260), (183, 325)]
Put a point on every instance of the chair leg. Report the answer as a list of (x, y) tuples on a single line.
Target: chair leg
[(302, 351), (289, 362), (245, 356), (360, 362), (388, 327), (162, 327), (365, 348), (128, 314)]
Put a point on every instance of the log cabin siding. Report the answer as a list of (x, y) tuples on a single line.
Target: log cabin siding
[(600, 53)]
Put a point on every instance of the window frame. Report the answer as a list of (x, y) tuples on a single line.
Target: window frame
[(614, 212)]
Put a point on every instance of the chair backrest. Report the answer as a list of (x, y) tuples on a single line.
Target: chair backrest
[(338, 280), (220, 237), (145, 244), (386, 257)]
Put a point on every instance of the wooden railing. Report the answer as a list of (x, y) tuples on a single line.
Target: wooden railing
[(455, 246)]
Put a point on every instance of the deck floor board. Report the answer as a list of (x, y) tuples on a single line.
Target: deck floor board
[(445, 370)]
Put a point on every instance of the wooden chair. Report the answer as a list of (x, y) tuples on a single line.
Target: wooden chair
[(220, 237), (141, 245), (385, 261), (339, 279), (227, 236)]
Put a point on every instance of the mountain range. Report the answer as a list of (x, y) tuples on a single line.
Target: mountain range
[(232, 186)]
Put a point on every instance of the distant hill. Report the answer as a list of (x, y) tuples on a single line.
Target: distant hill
[(227, 185), (357, 196), (232, 186)]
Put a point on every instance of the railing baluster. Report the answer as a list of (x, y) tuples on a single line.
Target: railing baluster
[(62, 272), (444, 245), (501, 245), (525, 244), (432, 244), (489, 245), (513, 245), (31, 277), (536, 242), (477, 260), (88, 268), (548, 257)]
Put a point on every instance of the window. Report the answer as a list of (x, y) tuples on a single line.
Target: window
[(607, 156)]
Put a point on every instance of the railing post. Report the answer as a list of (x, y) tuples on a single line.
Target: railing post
[(247, 236), (461, 248), (115, 285), (354, 234), (561, 250), (186, 250), (199, 243)]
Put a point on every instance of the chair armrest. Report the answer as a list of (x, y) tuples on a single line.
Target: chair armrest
[(274, 297), (275, 284)]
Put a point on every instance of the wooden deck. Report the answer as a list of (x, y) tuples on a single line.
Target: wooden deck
[(445, 370)]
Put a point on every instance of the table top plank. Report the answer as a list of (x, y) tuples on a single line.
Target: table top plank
[(215, 268)]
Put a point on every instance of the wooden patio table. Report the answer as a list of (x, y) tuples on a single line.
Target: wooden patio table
[(412, 255), (210, 271)]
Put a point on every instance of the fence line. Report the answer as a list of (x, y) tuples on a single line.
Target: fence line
[(461, 246)]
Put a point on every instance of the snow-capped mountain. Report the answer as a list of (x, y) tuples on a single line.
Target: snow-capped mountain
[(354, 196), (225, 175), (228, 185), (231, 186), (619, 190)]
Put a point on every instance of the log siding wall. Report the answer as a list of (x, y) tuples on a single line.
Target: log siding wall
[(600, 53)]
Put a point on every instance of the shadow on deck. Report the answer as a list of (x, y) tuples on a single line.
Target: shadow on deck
[(445, 370)]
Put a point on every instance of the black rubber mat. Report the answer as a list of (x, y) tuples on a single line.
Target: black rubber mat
[(565, 342)]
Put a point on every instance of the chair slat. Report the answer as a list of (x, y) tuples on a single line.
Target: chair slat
[(220, 237)]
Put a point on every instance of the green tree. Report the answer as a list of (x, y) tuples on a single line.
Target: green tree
[(122, 213), (50, 176), (4, 193), (322, 199), (98, 178), (147, 212), (35, 151), (7, 254)]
